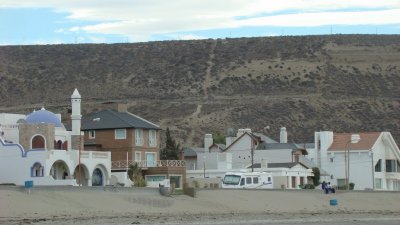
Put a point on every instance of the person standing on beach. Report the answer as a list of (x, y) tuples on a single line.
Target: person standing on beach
[(324, 187)]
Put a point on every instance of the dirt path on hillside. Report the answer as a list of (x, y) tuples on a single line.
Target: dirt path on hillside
[(192, 120)]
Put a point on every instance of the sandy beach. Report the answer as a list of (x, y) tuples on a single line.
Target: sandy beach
[(75, 205)]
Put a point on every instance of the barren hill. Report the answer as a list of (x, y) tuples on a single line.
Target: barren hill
[(344, 83)]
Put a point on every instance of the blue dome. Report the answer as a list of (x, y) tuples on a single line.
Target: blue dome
[(43, 116)]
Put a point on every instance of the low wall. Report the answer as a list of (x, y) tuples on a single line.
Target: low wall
[(204, 182)]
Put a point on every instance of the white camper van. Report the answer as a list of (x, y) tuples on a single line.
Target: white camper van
[(250, 180)]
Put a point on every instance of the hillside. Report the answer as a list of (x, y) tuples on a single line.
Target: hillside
[(343, 83)]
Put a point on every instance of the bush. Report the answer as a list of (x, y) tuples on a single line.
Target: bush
[(309, 186), (351, 186), (317, 175)]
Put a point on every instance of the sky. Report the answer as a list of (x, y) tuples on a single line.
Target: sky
[(32, 22)]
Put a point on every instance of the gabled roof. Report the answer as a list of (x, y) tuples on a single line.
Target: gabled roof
[(280, 165), (111, 119), (341, 141), (265, 138), (252, 136)]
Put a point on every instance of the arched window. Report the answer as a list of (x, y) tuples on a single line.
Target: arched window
[(59, 144), (37, 170), (38, 142), (65, 145)]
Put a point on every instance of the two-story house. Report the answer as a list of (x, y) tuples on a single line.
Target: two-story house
[(127, 136), (130, 139)]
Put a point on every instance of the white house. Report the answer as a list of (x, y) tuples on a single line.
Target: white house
[(247, 148), (37, 147), (369, 160)]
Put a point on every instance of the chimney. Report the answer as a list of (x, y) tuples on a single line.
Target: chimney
[(283, 135), (208, 141), (119, 107), (230, 138)]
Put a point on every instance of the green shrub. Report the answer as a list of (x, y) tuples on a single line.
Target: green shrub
[(309, 186)]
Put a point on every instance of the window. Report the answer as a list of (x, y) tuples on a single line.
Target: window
[(269, 179), (38, 142), (138, 156), (255, 180), (151, 159), (391, 166), (120, 133), (242, 182), (92, 134), (231, 179), (37, 170), (378, 183), (248, 180), (138, 137), (155, 178), (331, 160), (378, 166), (152, 138)]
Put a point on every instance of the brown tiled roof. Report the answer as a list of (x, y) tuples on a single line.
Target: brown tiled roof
[(341, 141)]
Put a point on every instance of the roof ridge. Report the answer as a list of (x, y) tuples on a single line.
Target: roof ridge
[(142, 119)]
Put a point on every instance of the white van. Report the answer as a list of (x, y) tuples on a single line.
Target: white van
[(250, 180)]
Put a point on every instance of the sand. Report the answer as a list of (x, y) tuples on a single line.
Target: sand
[(141, 206)]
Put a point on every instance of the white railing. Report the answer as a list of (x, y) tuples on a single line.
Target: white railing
[(123, 164), (100, 155)]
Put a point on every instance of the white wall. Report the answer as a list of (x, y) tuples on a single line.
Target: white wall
[(214, 160), (362, 162), (16, 163), (360, 172)]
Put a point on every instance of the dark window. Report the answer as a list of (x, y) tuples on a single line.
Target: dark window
[(242, 182), (248, 180), (390, 166), (38, 142), (58, 145), (378, 166), (255, 180)]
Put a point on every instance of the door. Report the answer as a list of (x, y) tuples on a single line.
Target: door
[(151, 159)]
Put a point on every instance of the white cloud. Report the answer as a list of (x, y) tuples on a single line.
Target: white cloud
[(325, 18), (141, 19), (61, 30)]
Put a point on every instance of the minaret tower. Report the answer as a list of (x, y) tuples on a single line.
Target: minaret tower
[(76, 113)]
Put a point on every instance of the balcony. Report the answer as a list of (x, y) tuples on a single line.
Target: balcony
[(124, 164), (393, 175)]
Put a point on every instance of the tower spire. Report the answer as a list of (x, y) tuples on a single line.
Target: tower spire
[(76, 112)]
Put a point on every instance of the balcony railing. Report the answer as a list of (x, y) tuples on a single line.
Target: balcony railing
[(124, 164)]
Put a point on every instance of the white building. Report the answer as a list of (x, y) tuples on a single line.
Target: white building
[(369, 160), (245, 148), (38, 148)]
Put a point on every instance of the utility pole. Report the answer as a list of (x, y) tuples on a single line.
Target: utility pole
[(204, 166), (252, 156), (345, 164)]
